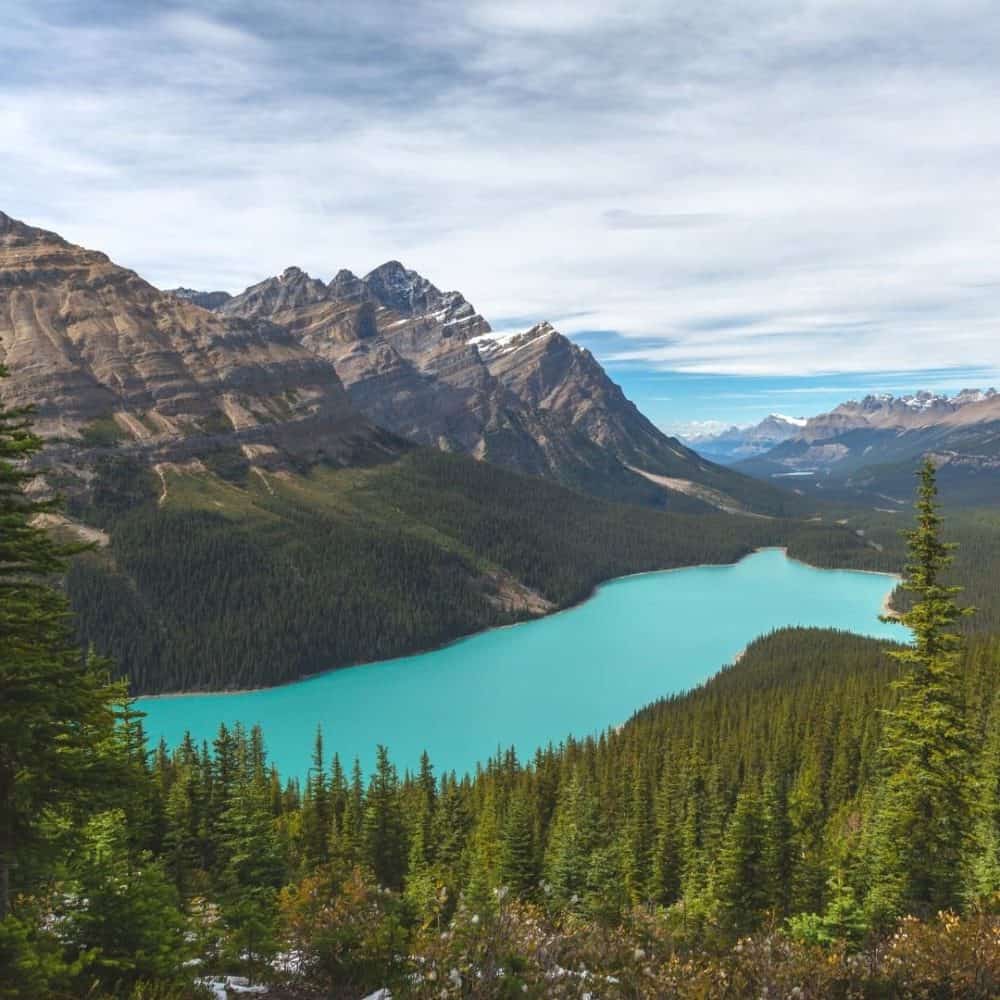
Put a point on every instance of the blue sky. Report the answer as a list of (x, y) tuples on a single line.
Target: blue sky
[(738, 195)]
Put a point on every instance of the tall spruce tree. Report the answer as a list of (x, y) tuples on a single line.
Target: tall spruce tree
[(56, 704), (518, 861), (383, 829), (921, 829)]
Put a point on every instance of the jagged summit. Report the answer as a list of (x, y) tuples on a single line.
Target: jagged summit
[(409, 294), (492, 345), (424, 364), (292, 288), (401, 289), (869, 447), (886, 411), (732, 444)]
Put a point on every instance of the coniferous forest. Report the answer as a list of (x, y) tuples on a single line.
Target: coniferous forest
[(821, 819)]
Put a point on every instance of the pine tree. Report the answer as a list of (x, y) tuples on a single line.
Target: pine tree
[(639, 835), (575, 835), (806, 842), (666, 877), (742, 879), (315, 814), (56, 705), (518, 861), (920, 835), (985, 873), (384, 833), (484, 850)]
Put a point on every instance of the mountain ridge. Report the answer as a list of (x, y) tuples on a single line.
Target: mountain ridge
[(423, 363), (867, 448), (295, 370)]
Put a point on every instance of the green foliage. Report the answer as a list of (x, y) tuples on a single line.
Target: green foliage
[(56, 706), (247, 583), (920, 834), (124, 909), (102, 432), (239, 581)]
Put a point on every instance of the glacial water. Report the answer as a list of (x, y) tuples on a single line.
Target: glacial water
[(578, 672)]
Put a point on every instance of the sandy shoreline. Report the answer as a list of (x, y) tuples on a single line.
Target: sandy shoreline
[(886, 609)]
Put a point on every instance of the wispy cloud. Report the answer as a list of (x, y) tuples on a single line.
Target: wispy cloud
[(746, 187), (622, 218)]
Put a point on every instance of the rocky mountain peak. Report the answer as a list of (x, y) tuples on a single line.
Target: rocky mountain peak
[(7, 224), (13, 232), (736, 443), (289, 290), (347, 286), (401, 289), (92, 344), (542, 329), (967, 396)]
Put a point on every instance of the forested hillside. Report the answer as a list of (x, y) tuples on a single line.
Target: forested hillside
[(225, 579)]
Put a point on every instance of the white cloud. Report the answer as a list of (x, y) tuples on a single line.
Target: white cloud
[(752, 188)]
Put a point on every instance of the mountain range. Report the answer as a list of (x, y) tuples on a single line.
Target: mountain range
[(867, 449), (295, 370), (311, 474), (426, 365)]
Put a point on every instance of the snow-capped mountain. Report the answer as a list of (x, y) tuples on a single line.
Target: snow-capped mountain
[(872, 446), (737, 443)]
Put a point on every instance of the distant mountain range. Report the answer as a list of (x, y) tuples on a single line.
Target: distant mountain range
[(867, 450), (737, 443)]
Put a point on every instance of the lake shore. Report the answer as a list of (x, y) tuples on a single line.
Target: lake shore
[(886, 609)]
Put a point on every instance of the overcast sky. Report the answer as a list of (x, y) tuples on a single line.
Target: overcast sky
[(739, 187)]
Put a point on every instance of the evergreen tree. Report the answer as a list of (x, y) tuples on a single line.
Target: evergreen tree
[(518, 861), (639, 835), (742, 879), (125, 911), (574, 836), (922, 822), (57, 709), (316, 809), (384, 833)]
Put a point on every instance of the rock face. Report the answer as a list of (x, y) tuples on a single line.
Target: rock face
[(424, 364), (102, 353), (903, 413), (207, 300)]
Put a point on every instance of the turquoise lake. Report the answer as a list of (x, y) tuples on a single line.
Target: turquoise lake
[(577, 672)]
